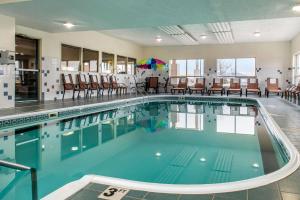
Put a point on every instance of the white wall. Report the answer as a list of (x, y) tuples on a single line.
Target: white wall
[(273, 58), (7, 72)]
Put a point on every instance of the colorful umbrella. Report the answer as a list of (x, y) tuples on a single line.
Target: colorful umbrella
[(151, 63)]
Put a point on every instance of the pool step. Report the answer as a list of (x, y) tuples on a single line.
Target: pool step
[(184, 157), (219, 177), (169, 175), (223, 162), (174, 170)]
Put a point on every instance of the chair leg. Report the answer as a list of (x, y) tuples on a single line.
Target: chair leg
[(227, 92), (246, 93), (64, 94), (241, 93), (73, 94)]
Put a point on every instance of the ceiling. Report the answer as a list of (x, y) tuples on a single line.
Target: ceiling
[(223, 21), (48, 15), (242, 31)]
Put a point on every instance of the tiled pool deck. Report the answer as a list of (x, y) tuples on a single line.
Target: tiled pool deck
[(287, 116)]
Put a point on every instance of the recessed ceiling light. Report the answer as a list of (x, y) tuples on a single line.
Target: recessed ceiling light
[(257, 34), (158, 39), (69, 25), (203, 37), (296, 8)]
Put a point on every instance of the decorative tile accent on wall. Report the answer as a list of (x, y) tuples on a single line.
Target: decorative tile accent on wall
[(7, 86)]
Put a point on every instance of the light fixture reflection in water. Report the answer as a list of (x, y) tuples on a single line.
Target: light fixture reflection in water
[(255, 165), (157, 154), (203, 159), (74, 148)]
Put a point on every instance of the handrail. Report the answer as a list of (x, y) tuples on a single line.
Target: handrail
[(24, 168)]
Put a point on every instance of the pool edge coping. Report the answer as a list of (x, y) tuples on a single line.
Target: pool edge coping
[(293, 164)]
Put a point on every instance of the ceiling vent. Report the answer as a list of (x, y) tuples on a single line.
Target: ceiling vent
[(222, 31), (179, 34)]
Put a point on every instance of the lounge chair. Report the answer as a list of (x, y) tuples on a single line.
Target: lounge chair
[(181, 87), (295, 92), (217, 86), (288, 92), (253, 87), (235, 86), (83, 85), (273, 87), (68, 84), (94, 84), (199, 86), (119, 87), (105, 84)]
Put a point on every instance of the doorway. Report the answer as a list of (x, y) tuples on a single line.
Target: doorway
[(27, 69)]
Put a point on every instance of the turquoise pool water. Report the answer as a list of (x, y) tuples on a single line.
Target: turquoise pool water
[(160, 142)]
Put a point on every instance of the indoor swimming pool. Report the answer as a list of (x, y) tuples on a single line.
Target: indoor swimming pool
[(165, 142)]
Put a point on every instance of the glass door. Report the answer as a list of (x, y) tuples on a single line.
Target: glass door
[(27, 69)]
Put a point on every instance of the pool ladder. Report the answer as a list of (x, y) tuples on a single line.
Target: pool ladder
[(24, 168)]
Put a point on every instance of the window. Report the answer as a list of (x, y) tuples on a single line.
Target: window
[(296, 69), (192, 67), (195, 67), (226, 67), (107, 65), (245, 67), (236, 67), (131, 66), (70, 58), (121, 65), (90, 60)]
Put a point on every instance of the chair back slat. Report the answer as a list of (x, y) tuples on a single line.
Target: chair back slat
[(200, 83), (218, 83), (272, 84), (235, 83), (252, 83), (183, 82)]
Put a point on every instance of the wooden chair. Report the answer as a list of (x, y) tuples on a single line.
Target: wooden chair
[(83, 85), (273, 87), (119, 87), (105, 84), (181, 87), (288, 92), (199, 86), (295, 91), (217, 86), (253, 87), (152, 83), (235, 86), (94, 84), (68, 84)]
